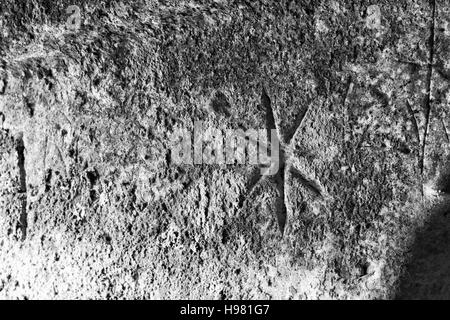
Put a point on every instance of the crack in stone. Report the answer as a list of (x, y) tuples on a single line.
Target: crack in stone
[(20, 149), (429, 85)]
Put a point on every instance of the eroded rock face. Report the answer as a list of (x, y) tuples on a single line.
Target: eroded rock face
[(91, 205)]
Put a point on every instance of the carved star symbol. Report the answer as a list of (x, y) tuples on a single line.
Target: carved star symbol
[(278, 183)]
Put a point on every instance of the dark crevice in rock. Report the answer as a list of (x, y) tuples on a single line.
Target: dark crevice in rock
[(3, 85), (93, 177), (2, 119), (20, 149), (48, 179), (30, 106), (429, 83), (220, 105)]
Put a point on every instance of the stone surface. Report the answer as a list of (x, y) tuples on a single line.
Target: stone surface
[(91, 205)]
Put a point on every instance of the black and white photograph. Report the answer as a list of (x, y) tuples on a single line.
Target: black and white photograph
[(224, 150)]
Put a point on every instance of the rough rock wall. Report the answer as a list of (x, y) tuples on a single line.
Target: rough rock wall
[(91, 205)]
